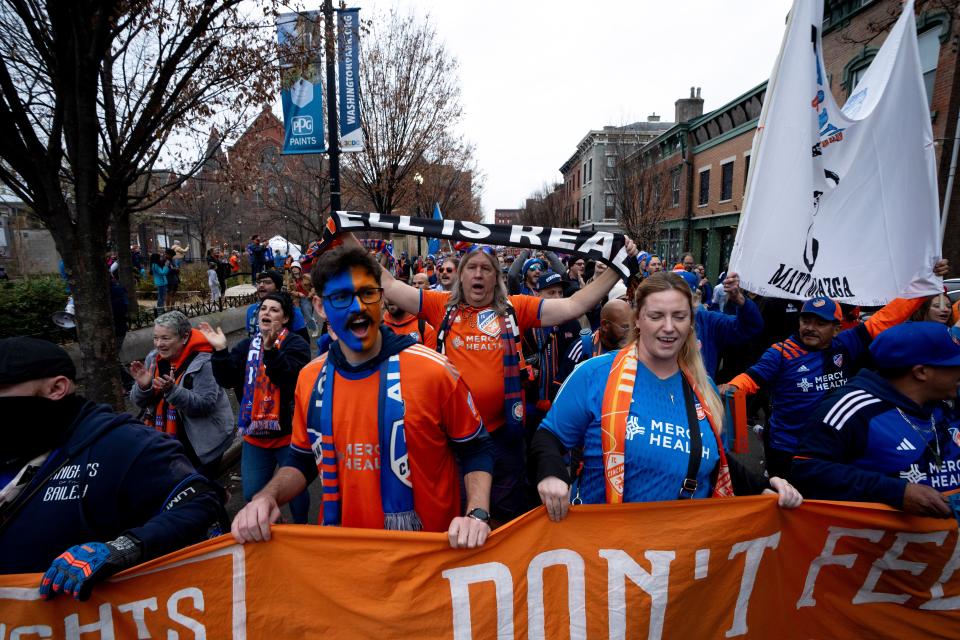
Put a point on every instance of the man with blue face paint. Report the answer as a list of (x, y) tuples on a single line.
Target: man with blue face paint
[(383, 421)]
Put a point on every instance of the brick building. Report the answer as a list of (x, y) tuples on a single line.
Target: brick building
[(506, 216)]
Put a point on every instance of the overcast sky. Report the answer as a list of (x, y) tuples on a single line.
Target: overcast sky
[(537, 75)]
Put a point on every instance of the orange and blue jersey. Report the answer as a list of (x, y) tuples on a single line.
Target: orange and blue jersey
[(867, 441), (439, 417), (797, 379)]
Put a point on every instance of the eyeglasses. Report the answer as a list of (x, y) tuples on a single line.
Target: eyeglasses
[(343, 299), (448, 270)]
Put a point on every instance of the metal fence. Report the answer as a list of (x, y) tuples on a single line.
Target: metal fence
[(145, 318)]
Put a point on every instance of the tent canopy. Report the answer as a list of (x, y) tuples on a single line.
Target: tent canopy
[(281, 245)]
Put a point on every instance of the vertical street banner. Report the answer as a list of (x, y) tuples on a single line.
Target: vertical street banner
[(300, 38), (841, 202), (348, 46)]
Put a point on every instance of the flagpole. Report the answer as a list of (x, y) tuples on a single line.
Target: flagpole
[(333, 133)]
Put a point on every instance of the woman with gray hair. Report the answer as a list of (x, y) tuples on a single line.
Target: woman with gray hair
[(175, 385)]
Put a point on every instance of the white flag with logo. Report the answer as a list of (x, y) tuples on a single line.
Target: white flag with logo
[(841, 203)]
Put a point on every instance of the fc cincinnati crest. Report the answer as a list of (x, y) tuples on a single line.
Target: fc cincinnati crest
[(701, 414), (488, 323), (614, 471), (838, 359), (955, 435)]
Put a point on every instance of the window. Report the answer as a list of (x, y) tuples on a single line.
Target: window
[(704, 188), (726, 181), (609, 207), (590, 207), (929, 45), (585, 178), (746, 171), (657, 193), (611, 161), (590, 172), (579, 217), (585, 209), (675, 188)]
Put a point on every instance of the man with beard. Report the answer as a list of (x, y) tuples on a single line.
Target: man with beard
[(479, 328), (407, 324), (798, 372), (85, 491), (385, 421)]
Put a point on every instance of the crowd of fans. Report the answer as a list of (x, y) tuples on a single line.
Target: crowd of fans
[(457, 392)]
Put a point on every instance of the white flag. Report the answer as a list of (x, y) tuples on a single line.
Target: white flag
[(841, 203)]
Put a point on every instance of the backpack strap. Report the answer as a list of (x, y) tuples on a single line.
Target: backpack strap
[(421, 328)]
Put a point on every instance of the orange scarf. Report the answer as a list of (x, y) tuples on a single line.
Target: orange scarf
[(617, 397), (164, 417)]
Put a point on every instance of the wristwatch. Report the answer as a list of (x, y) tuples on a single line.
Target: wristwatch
[(481, 515)]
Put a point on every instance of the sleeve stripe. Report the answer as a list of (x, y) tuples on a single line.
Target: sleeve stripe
[(845, 401), (473, 435), (854, 409)]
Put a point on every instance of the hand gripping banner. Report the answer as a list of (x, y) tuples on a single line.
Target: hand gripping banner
[(731, 568), (596, 245)]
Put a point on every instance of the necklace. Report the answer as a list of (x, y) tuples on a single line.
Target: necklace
[(923, 433)]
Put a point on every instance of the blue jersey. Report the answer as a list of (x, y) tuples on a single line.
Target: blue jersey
[(253, 326), (798, 379), (867, 441), (717, 331), (657, 446)]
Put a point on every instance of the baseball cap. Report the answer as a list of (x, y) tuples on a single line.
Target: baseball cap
[(690, 278), (271, 275), (822, 307), (913, 343), (296, 265), (549, 279), (23, 358)]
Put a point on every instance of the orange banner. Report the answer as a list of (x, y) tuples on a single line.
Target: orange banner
[(686, 569)]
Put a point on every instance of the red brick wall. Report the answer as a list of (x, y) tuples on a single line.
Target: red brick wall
[(714, 156)]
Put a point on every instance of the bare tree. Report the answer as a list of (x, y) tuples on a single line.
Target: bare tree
[(643, 189), (451, 180), (91, 93), (882, 24), (410, 105), (544, 208)]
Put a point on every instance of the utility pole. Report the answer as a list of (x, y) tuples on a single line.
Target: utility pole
[(333, 132)]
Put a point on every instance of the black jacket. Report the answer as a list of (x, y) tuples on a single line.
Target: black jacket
[(282, 367), (111, 476)]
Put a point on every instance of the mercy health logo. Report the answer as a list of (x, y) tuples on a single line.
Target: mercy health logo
[(204, 596), (805, 385), (302, 125)]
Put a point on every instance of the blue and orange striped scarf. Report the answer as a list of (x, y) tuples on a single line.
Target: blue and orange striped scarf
[(260, 405), (396, 488)]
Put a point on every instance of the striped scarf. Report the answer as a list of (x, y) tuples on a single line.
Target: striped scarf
[(396, 488), (548, 348), (617, 397), (513, 409), (260, 405)]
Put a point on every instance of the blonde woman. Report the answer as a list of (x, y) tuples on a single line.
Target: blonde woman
[(631, 412)]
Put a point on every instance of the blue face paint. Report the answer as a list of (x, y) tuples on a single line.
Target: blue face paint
[(343, 281)]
